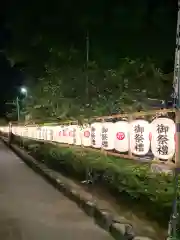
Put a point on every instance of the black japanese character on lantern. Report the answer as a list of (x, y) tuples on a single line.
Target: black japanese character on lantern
[(139, 147), (162, 139), (105, 137), (162, 129), (93, 136), (138, 129), (139, 138), (162, 149)]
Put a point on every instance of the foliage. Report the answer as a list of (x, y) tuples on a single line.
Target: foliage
[(124, 178), (71, 92)]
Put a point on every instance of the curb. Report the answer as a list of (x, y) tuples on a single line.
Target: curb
[(117, 228)]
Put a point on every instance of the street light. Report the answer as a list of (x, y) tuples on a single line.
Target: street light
[(23, 90)]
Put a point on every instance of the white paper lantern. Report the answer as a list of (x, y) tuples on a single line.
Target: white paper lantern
[(53, 129), (86, 135), (24, 131), (140, 137), (121, 142), (163, 140), (18, 131), (71, 134), (49, 133), (96, 137), (38, 133), (64, 134), (77, 135), (58, 134), (108, 135), (34, 132), (31, 129)]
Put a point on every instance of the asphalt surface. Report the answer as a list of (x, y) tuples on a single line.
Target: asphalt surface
[(32, 209)]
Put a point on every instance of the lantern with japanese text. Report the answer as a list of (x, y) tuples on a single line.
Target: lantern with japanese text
[(86, 135), (77, 135), (57, 134), (96, 135), (38, 133), (140, 137), (163, 138), (65, 133), (71, 138), (50, 130), (32, 132), (21, 131), (108, 135), (17, 130), (43, 133), (35, 132), (121, 139), (24, 131)]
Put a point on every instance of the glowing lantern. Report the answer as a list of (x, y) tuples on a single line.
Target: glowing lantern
[(43, 133), (49, 133), (96, 132), (77, 135), (30, 132), (57, 134), (23, 131), (38, 134), (34, 132), (64, 134), (121, 142), (71, 134), (163, 142), (108, 134), (19, 131), (139, 137), (86, 135)]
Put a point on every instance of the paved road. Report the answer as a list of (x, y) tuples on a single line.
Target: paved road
[(31, 209)]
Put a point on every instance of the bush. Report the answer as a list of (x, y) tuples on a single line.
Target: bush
[(126, 179)]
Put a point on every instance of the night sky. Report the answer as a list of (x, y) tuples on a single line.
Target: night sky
[(106, 27)]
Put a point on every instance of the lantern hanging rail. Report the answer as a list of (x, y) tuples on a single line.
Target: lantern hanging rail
[(102, 118)]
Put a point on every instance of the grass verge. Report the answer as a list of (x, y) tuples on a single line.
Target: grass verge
[(129, 181)]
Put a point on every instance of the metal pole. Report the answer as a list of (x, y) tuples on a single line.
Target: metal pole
[(18, 109), (172, 231), (87, 64)]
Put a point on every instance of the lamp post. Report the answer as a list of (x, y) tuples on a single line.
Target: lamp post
[(23, 90), (18, 108)]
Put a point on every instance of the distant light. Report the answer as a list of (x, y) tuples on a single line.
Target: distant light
[(23, 90)]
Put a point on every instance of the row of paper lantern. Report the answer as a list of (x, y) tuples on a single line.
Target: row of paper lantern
[(139, 136)]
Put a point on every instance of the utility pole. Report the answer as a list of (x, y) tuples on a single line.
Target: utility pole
[(172, 231), (87, 64), (18, 108)]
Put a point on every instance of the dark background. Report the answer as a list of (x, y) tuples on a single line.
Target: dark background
[(154, 36)]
